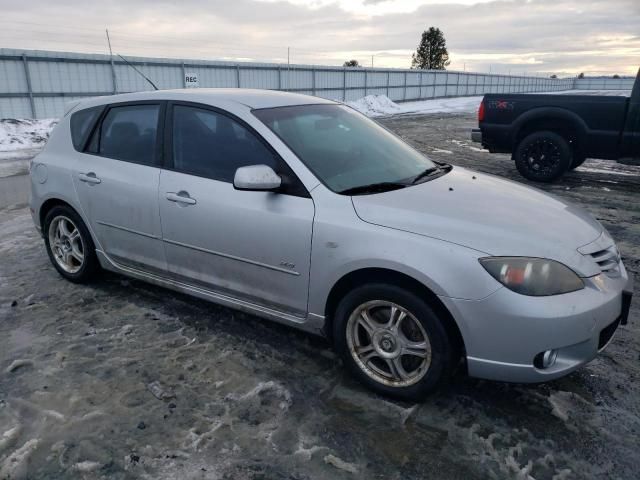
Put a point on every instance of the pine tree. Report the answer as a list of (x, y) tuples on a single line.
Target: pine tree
[(432, 51)]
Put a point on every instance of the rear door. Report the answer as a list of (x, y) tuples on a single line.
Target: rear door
[(252, 246), (116, 179)]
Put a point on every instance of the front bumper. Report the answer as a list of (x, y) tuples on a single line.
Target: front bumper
[(504, 332)]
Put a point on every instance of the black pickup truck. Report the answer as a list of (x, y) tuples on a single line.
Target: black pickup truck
[(547, 135)]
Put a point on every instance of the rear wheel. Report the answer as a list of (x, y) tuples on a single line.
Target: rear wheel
[(543, 156), (392, 341), (69, 245)]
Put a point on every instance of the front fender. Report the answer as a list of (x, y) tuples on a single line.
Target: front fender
[(340, 248)]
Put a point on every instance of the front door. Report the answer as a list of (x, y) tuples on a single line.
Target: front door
[(254, 246), (116, 179)]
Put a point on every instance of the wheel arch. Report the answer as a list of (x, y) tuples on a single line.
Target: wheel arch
[(53, 202), (49, 204), (364, 276), (563, 122)]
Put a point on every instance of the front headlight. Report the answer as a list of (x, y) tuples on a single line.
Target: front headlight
[(536, 277)]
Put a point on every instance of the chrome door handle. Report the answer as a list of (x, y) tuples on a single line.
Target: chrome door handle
[(181, 197), (89, 178)]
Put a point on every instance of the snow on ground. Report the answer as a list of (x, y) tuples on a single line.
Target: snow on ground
[(20, 134), (381, 105)]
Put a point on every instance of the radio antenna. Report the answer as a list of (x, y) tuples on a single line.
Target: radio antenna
[(139, 72)]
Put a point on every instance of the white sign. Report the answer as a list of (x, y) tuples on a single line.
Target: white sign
[(191, 80)]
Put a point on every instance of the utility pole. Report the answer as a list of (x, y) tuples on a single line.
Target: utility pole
[(113, 68), (371, 61)]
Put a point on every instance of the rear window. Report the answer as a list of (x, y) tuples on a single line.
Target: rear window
[(128, 133), (82, 122)]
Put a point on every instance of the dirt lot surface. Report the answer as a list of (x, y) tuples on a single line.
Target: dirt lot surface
[(124, 380)]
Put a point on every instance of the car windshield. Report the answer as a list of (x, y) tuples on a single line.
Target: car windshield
[(345, 149)]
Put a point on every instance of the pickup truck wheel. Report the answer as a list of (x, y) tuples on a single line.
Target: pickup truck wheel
[(392, 341), (543, 156), (577, 161)]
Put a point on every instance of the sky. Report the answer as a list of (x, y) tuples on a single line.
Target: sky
[(564, 37)]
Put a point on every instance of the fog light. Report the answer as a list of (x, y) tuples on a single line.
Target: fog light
[(545, 359)]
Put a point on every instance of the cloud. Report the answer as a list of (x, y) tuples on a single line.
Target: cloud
[(562, 36)]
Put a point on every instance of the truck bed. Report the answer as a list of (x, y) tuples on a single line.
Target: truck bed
[(602, 117)]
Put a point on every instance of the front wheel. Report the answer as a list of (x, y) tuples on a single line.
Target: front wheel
[(392, 341), (543, 156)]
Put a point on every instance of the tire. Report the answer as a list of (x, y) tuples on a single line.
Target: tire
[(577, 161), (422, 370), (543, 156), (69, 245)]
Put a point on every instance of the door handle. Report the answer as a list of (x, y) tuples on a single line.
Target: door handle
[(181, 197), (89, 178)]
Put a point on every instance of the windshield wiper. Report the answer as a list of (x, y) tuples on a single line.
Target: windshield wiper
[(433, 172), (373, 188)]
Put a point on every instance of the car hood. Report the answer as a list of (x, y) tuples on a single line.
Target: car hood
[(489, 214)]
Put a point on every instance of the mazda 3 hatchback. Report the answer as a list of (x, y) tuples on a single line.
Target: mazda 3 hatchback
[(303, 211)]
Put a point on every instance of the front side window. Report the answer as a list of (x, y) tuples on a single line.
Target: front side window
[(343, 148), (129, 133), (212, 145)]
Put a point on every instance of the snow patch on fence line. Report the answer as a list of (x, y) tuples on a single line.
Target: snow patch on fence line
[(20, 134), (382, 106)]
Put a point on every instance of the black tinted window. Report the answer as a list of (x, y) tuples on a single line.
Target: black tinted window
[(81, 123), (212, 145), (129, 133)]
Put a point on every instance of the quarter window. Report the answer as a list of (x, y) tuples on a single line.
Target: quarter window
[(212, 145), (81, 123), (129, 133)]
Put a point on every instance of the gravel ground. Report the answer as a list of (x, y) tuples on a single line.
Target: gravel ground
[(124, 380)]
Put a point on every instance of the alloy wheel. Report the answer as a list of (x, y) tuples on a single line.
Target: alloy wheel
[(66, 244), (542, 155), (388, 343)]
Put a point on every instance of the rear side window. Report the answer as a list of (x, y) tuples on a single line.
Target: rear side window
[(82, 122), (212, 145), (129, 133)]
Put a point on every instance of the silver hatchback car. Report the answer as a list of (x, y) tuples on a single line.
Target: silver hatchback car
[(303, 211)]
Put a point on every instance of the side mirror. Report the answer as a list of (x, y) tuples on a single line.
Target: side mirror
[(256, 178)]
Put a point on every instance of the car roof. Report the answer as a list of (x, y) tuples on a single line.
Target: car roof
[(252, 98)]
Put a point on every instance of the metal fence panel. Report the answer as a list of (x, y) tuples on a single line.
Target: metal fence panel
[(604, 83), (38, 83), (17, 108), (12, 76)]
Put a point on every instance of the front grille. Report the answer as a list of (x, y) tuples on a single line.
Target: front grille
[(607, 333), (608, 260)]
